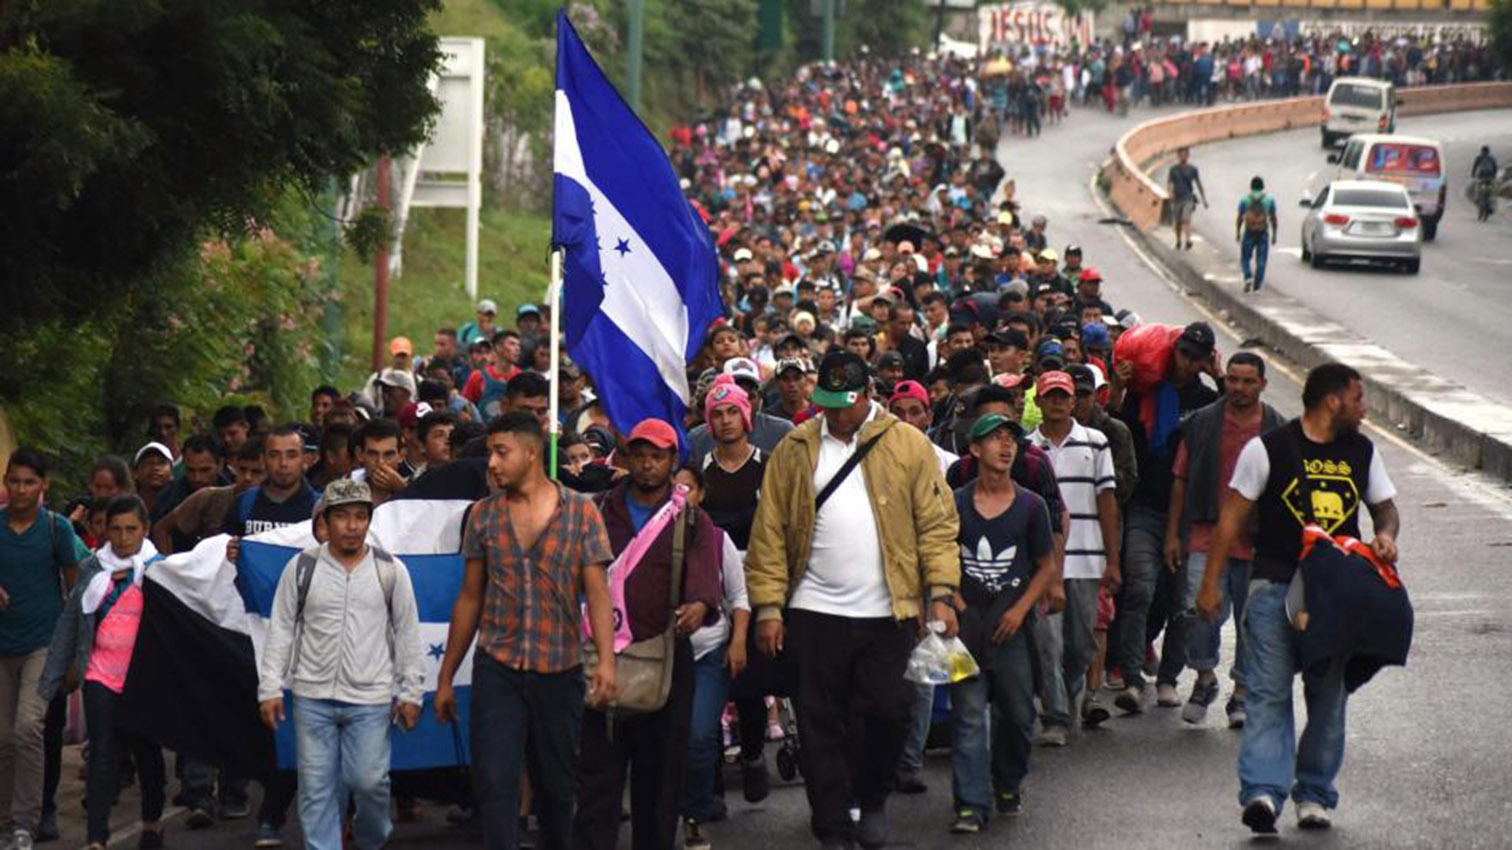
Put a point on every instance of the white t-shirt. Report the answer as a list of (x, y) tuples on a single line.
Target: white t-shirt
[(1252, 473), (845, 576), (1083, 468), (732, 581)]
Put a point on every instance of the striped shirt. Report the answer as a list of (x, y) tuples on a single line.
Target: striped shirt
[(1083, 468), (531, 618)]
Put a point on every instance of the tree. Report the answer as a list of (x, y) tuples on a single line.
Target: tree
[(129, 127), (1501, 32)]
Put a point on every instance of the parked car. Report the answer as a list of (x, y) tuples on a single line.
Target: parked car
[(1358, 105), (1362, 220), (1415, 163)]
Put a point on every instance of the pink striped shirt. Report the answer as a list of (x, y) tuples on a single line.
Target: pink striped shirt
[(115, 637)]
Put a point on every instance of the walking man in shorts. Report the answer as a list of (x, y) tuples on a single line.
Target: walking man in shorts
[(1185, 186)]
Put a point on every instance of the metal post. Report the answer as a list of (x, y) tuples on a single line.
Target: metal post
[(554, 300), (829, 29), (635, 51), (381, 271), (939, 25)]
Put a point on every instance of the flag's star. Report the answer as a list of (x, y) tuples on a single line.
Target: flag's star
[(437, 650), (623, 247)]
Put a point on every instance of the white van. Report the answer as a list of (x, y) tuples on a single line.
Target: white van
[(1417, 164), (1358, 105)]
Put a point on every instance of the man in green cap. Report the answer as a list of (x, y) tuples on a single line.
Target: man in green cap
[(1007, 565)]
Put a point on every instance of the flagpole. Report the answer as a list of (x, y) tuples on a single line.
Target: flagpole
[(554, 299)]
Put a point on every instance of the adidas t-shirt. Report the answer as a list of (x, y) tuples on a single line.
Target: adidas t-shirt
[(998, 554)]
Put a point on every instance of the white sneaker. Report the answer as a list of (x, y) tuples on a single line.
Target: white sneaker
[(1166, 696), (21, 840), (1312, 815), (1052, 736)]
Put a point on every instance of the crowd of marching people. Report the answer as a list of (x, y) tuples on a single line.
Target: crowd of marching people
[(912, 418)]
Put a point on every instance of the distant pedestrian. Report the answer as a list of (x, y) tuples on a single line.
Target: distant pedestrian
[(1255, 228), (1185, 187)]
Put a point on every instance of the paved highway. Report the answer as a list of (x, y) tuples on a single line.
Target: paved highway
[(1454, 318), (1428, 746)]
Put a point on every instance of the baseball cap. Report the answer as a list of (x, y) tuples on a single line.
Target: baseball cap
[(345, 491), (409, 417), (527, 310), (1054, 380), (487, 305), (743, 254), (890, 358), (1008, 380), (789, 363), (1005, 218), (401, 345), (863, 322), (1072, 249), (1051, 350), (843, 378), (742, 367), (1048, 255), (1081, 377), (1197, 341), (870, 255), (1095, 335), (656, 432), (985, 425), (1015, 289), (152, 448), (1009, 337), (400, 378), (1128, 318), (909, 389), (1090, 274)]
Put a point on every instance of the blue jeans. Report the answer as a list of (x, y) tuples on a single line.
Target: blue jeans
[(1271, 760), (711, 685), (1256, 244), (1144, 552), (976, 764), (521, 717), (912, 760), (1204, 638), (343, 749)]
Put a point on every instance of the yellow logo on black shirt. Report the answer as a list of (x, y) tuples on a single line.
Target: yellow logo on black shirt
[(1334, 496)]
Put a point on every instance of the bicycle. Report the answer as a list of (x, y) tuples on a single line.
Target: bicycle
[(1485, 199)]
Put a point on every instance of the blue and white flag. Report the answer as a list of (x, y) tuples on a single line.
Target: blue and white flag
[(205, 621), (639, 275)]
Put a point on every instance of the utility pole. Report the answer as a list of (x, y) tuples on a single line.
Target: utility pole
[(939, 25), (636, 44), (829, 29), (381, 270)]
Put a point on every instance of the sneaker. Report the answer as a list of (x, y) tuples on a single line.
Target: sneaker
[(871, 830), (1052, 736), (968, 822), (1113, 681), (151, 839), (235, 808), (1237, 716), (1166, 696), (1093, 714), (200, 815), (21, 839), (1260, 815), (1312, 815), (268, 836), (1130, 700), (1249, 285), (908, 782), (1203, 694), (47, 828), (693, 837), (755, 779), (1010, 803)]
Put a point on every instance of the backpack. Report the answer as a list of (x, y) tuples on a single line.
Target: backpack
[(491, 402), (1256, 213), (304, 568)]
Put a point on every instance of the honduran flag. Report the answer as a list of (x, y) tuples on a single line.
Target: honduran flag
[(192, 685)]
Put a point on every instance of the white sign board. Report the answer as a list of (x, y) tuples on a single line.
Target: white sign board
[(1031, 24)]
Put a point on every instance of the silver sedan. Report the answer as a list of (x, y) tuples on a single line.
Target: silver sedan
[(1353, 220)]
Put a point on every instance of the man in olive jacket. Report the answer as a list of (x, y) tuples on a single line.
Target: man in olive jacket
[(842, 586)]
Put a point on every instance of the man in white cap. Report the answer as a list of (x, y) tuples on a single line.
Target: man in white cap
[(482, 327)]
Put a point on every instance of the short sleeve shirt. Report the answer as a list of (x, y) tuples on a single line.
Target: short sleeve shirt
[(532, 619), (1183, 181), (30, 564)]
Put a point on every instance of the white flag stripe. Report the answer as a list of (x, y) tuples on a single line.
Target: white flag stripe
[(419, 526), (640, 298)]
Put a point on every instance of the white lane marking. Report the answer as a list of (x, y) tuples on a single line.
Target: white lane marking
[(1471, 612), (1475, 490)]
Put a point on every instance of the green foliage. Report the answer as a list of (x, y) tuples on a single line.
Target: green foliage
[(886, 27), (1501, 31), (129, 126)]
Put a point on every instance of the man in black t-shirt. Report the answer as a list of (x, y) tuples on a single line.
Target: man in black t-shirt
[(1151, 594), (1319, 470), (1007, 565), (1185, 187)]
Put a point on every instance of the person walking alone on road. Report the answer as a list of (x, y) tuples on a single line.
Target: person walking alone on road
[(1185, 186), (344, 637), (847, 576), (1255, 229), (1320, 467)]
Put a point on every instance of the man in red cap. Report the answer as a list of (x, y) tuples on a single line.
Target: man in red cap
[(652, 747), (1084, 470)]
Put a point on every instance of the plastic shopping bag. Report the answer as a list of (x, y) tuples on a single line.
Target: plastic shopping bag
[(939, 660)]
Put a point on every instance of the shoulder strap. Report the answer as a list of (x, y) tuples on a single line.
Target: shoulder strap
[(679, 542), (304, 573), (387, 576), (845, 470)]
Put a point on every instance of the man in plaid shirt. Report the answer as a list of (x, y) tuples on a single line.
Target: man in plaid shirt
[(532, 550)]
